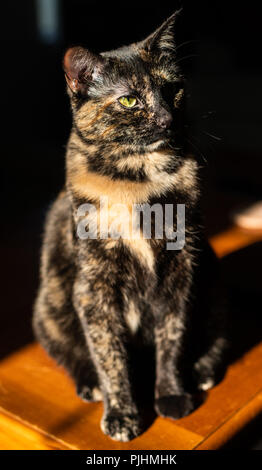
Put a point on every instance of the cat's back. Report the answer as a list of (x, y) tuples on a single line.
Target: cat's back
[(57, 248)]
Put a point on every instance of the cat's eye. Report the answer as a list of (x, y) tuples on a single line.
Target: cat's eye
[(128, 101)]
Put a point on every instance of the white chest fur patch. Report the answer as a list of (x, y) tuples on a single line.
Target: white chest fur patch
[(143, 252), (133, 318)]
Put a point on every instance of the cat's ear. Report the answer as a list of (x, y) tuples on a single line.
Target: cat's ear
[(81, 68), (162, 40)]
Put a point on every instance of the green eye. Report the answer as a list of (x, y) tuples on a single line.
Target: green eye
[(128, 101)]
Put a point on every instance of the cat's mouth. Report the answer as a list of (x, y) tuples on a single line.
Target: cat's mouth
[(161, 140)]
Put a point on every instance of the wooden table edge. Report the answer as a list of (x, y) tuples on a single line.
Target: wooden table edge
[(59, 443), (233, 424)]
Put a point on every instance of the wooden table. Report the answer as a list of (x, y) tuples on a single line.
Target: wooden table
[(40, 410)]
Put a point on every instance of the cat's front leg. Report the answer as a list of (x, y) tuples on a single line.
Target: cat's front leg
[(171, 399), (105, 335)]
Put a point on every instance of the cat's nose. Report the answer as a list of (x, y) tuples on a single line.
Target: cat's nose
[(165, 119)]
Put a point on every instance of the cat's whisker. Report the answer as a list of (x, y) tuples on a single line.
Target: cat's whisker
[(208, 114), (187, 57), (192, 41), (198, 150), (215, 137)]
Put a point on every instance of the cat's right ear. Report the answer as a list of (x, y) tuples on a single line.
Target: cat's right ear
[(162, 40), (81, 67)]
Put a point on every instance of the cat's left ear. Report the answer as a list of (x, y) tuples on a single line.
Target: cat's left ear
[(162, 40)]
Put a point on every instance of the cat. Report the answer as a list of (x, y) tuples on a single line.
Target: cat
[(98, 296)]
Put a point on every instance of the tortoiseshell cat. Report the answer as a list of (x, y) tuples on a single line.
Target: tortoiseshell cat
[(97, 296)]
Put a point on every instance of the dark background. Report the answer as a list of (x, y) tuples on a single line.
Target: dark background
[(224, 69)]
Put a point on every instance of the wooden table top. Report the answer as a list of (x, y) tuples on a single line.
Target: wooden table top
[(39, 408)]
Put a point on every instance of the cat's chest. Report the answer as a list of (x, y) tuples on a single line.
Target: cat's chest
[(121, 227)]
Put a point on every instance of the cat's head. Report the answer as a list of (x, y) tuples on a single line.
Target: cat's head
[(127, 101)]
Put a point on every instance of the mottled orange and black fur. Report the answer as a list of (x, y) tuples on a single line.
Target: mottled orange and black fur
[(98, 296)]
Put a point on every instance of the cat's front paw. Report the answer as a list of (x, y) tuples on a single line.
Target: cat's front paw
[(89, 394), (121, 427), (174, 406)]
